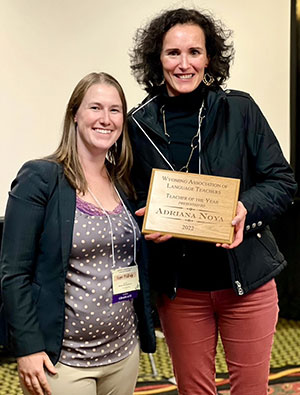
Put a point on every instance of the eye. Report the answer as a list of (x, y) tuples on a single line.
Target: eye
[(116, 110), (173, 52), (195, 51), (95, 108)]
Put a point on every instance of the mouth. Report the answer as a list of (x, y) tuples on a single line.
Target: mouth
[(184, 76), (102, 131)]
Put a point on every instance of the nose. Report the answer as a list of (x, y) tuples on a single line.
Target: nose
[(184, 62), (104, 117)]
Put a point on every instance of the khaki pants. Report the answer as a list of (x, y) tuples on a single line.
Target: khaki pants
[(115, 379)]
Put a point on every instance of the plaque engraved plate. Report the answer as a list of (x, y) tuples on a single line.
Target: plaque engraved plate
[(191, 206)]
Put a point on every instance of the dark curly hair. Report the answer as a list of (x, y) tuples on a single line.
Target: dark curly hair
[(145, 55)]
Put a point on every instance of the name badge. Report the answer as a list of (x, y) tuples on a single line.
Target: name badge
[(125, 283)]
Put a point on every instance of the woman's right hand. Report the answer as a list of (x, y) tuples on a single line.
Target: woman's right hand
[(31, 372), (156, 237)]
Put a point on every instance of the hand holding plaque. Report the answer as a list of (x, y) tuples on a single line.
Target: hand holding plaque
[(191, 206)]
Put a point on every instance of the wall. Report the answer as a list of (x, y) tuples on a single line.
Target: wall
[(48, 46)]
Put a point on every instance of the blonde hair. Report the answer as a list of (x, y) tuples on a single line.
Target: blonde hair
[(119, 157)]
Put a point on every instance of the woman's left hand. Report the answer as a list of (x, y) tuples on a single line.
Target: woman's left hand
[(239, 223)]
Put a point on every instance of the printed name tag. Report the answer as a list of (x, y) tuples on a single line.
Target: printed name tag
[(125, 282)]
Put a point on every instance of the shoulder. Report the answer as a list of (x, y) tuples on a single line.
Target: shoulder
[(148, 102), (237, 97), (38, 171), (243, 102), (35, 178), (42, 166), (238, 102), (144, 114), (240, 99), (229, 95), (236, 93)]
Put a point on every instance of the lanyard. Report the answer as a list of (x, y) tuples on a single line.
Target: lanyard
[(195, 142), (111, 227)]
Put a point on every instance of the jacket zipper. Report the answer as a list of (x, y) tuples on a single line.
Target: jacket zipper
[(237, 280), (239, 288)]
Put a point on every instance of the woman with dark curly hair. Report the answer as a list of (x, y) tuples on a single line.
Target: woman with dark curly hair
[(189, 123), (146, 55)]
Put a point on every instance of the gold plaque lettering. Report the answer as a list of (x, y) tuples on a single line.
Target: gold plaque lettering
[(191, 206)]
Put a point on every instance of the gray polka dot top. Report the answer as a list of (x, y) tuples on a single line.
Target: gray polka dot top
[(97, 332)]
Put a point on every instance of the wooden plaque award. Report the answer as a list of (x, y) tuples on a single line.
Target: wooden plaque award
[(191, 206)]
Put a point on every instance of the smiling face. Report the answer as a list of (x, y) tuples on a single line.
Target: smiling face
[(183, 58), (99, 120)]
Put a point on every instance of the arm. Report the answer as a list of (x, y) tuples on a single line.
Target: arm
[(22, 231), (268, 184), (272, 185)]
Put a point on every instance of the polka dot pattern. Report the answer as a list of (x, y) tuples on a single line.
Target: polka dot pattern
[(97, 332)]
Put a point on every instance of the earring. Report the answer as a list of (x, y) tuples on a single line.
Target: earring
[(162, 82), (208, 79)]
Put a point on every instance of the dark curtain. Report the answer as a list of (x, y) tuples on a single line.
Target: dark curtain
[(287, 233), (295, 89), (3, 329), (287, 228)]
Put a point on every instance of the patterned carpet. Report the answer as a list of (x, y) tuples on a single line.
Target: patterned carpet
[(156, 374), (273, 389), (285, 355)]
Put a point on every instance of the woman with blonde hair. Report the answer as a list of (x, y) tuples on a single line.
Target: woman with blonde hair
[(70, 244)]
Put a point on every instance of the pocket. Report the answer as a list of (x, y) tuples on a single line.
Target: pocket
[(267, 240)]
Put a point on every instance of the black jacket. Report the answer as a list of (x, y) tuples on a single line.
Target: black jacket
[(36, 246), (236, 141)]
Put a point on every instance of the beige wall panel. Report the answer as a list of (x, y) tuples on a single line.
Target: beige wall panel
[(48, 46)]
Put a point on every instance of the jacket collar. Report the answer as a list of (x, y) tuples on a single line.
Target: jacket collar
[(67, 205), (147, 114)]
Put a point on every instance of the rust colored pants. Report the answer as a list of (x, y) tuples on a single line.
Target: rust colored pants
[(246, 324)]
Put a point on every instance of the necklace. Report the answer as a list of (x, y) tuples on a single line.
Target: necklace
[(196, 139)]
